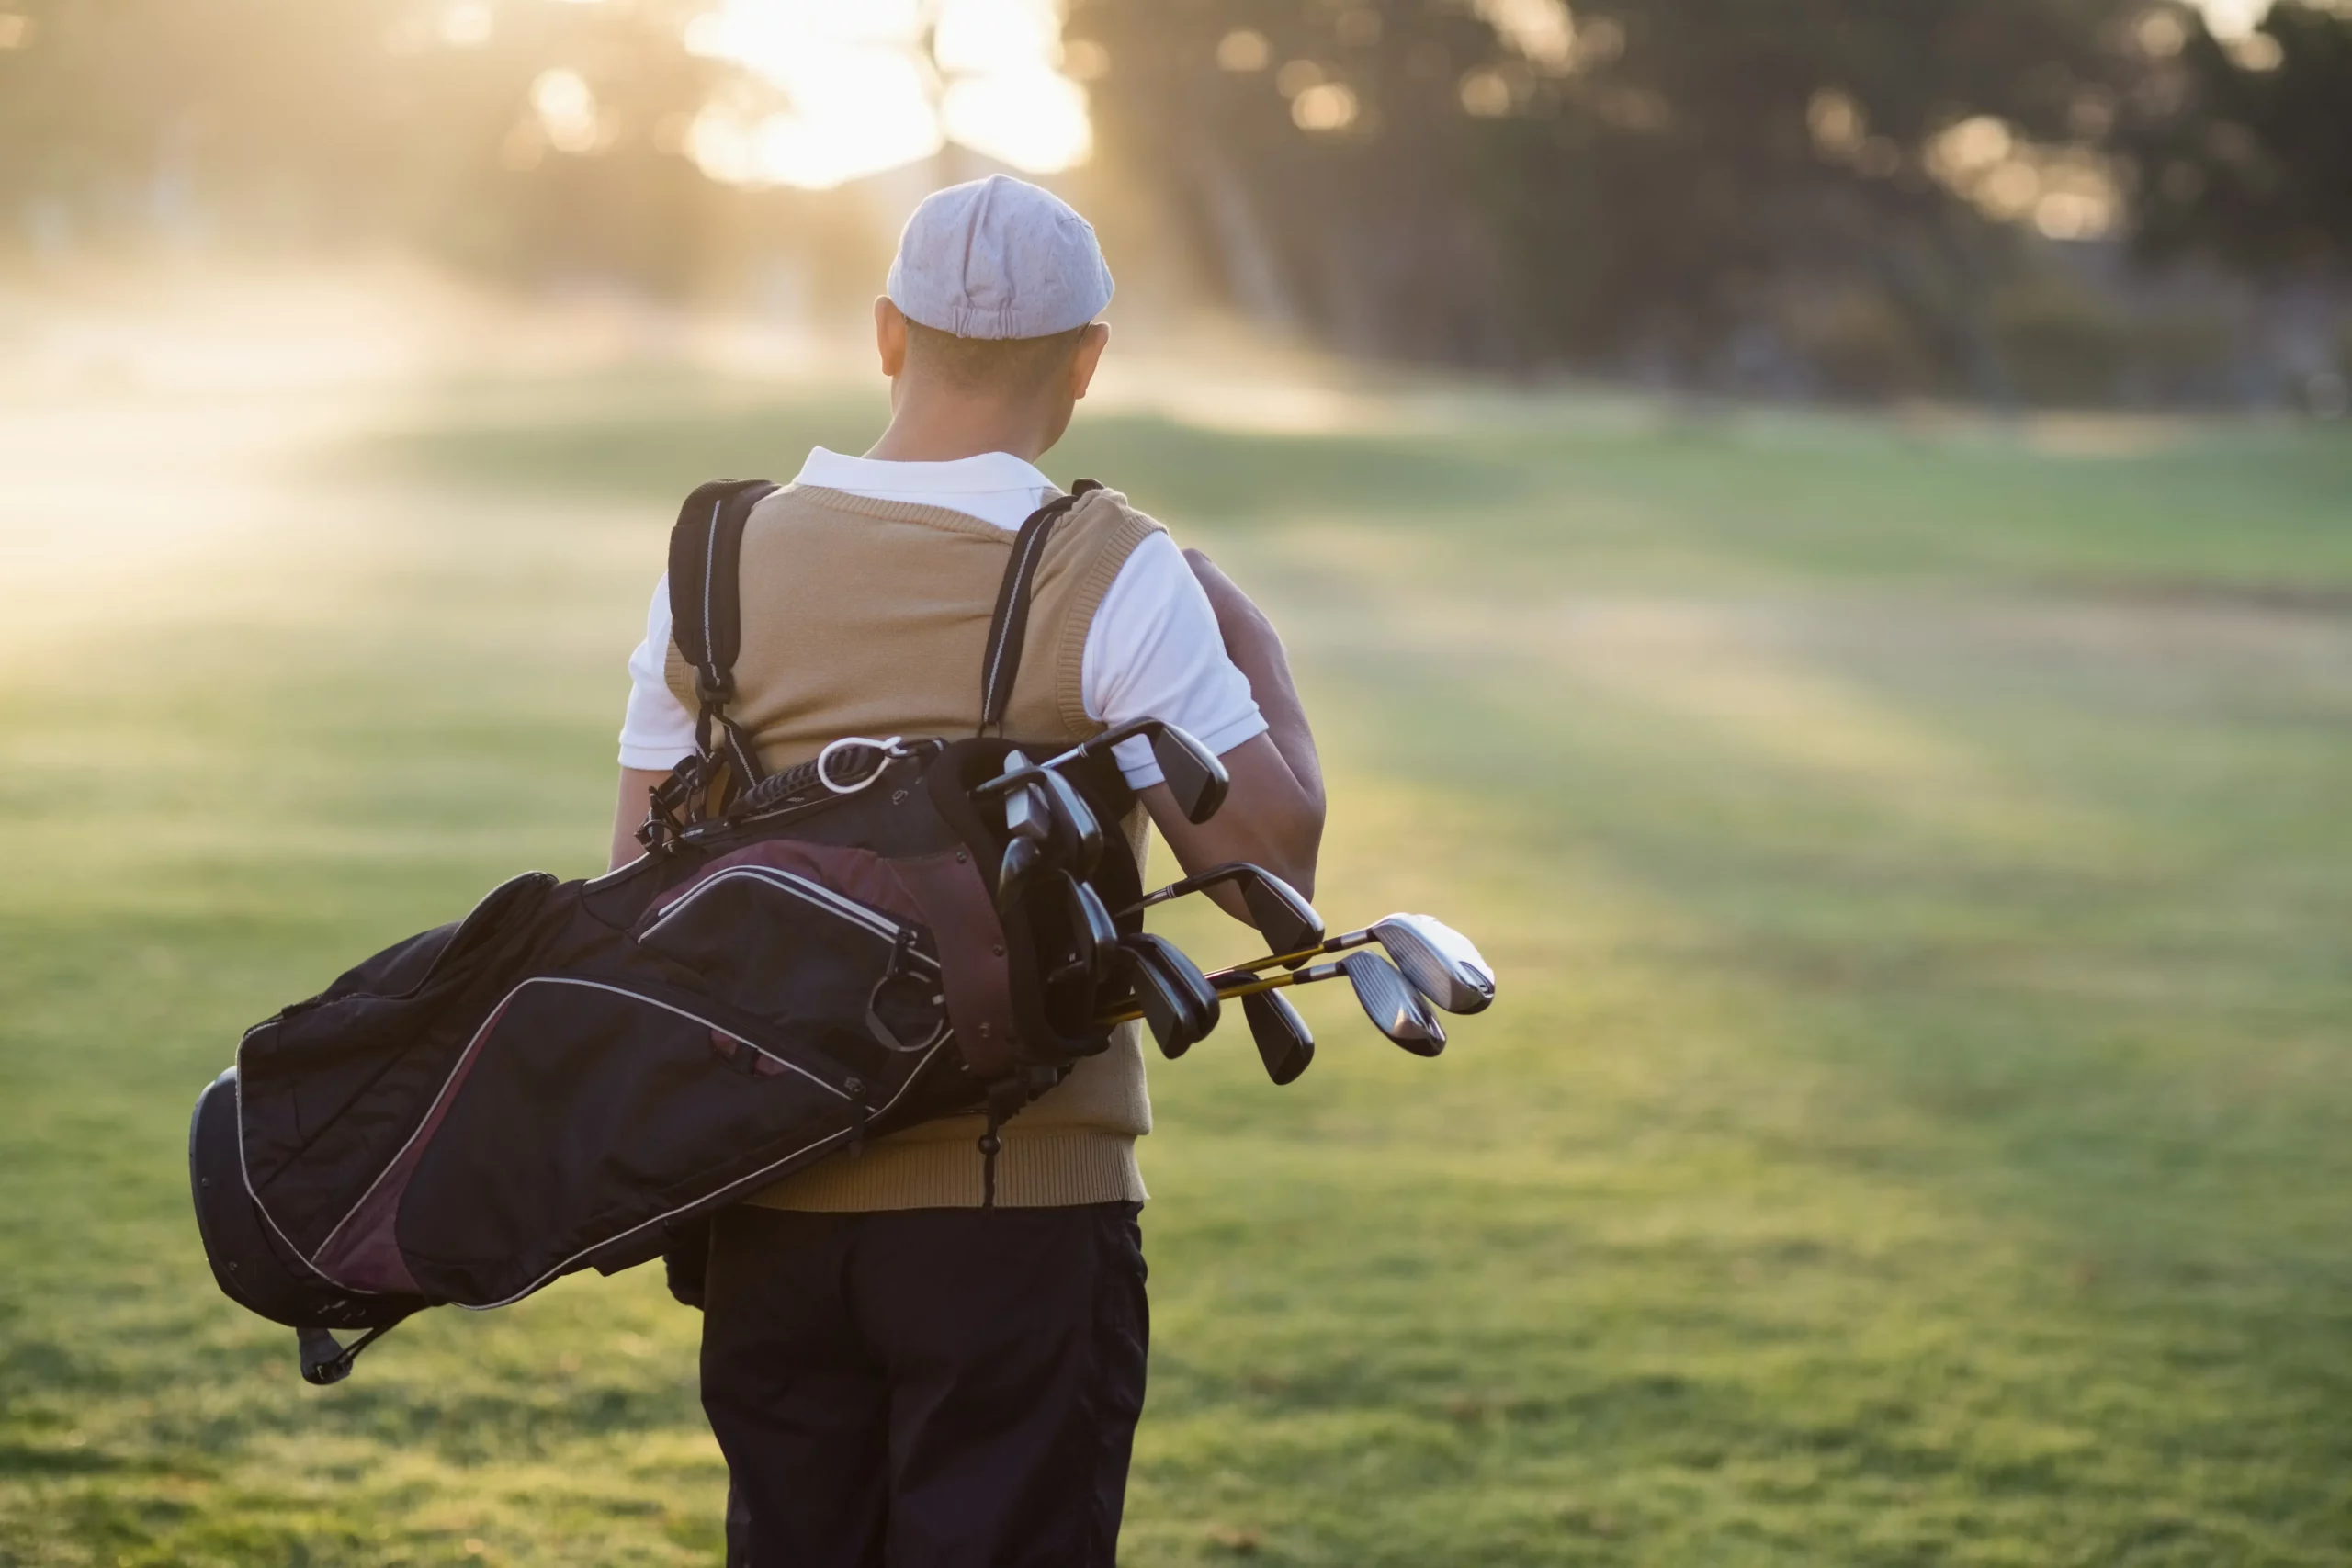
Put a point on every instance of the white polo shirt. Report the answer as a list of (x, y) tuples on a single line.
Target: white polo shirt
[(1153, 650)]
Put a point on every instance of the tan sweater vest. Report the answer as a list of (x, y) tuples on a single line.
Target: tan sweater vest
[(869, 617)]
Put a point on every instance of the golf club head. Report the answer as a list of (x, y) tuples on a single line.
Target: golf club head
[(1021, 859), (1026, 814), (1395, 1007), (1281, 913), (1194, 777), (1441, 962), (1077, 835), (1160, 995), (1285, 1042), (1196, 1002), (1092, 936)]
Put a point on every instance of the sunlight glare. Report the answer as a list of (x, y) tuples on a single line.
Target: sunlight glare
[(860, 95), (566, 110), (983, 36), (1032, 118), (2232, 19)]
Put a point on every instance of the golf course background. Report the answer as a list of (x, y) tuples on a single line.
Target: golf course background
[(1916, 1125)]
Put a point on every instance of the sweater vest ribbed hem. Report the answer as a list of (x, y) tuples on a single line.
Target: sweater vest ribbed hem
[(1047, 1169)]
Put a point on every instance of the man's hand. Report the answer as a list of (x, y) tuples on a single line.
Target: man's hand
[(1274, 814)]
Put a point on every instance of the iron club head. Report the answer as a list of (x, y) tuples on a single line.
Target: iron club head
[(1194, 777), (1192, 770), (1285, 1042), (1077, 835), (1177, 1000), (1021, 859), (1442, 963), (1394, 1007), (1282, 915), (1092, 936)]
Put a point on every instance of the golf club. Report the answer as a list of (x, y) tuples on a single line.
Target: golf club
[(1288, 922), (1026, 827), (1021, 859), (1075, 837), (1442, 963), (1285, 1042), (1046, 821), (1396, 1008), (1025, 812), (1093, 938), (1171, 992), (1193, 774)]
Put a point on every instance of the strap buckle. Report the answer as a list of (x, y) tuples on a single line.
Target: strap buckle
[(670, 807)]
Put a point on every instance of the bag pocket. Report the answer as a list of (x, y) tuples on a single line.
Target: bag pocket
[(787, 949), (585, 1110)]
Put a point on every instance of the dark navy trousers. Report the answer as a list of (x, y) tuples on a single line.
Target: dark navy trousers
[(927, 1388)]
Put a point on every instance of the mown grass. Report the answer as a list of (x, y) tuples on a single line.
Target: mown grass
[(1918, 861)]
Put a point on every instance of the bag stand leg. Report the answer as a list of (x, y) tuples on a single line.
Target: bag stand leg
[(323, 1360)]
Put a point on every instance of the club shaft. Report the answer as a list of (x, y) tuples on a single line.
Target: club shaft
[(1233, 984), (1340, 944)]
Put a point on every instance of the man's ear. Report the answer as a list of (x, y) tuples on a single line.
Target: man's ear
[(890, 335), (1090, 344)]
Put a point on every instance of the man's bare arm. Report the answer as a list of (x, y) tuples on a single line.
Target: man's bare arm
[(1273, 815), (636, 795)]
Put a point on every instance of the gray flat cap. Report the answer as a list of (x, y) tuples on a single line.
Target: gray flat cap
[(998, 258)]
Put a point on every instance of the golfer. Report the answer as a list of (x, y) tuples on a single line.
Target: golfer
[(896, 1375)]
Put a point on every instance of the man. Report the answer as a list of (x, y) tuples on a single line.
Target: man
[(896, 1375)]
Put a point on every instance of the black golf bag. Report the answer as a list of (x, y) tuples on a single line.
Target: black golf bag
[(577, 1072)]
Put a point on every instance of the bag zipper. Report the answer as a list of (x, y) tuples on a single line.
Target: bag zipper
[(810, 890)]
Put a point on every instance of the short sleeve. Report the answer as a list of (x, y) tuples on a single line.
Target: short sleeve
[(657, 732), (1154, 651)]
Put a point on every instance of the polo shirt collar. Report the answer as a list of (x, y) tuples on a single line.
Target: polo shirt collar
[(984, 471)]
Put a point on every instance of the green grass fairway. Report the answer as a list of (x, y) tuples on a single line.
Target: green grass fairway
[(1917, 1128)]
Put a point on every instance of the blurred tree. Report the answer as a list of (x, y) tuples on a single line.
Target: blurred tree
[(1839, 196), (1676, 186), (2245, 150), (525, 136)]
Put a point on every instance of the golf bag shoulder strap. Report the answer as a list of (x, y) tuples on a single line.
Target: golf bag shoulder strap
[(1010, 624), (706, 609)]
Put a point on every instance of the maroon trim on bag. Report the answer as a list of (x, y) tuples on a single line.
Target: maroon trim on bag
[(945, 893), (953, 903), (364, 1251)]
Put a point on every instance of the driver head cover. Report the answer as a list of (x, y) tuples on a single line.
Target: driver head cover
[(998, 258)]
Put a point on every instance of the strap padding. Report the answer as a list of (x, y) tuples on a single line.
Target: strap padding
[(1009, 626), (705, 606)]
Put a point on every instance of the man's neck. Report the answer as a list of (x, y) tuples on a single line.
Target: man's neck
[(928, 430)]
